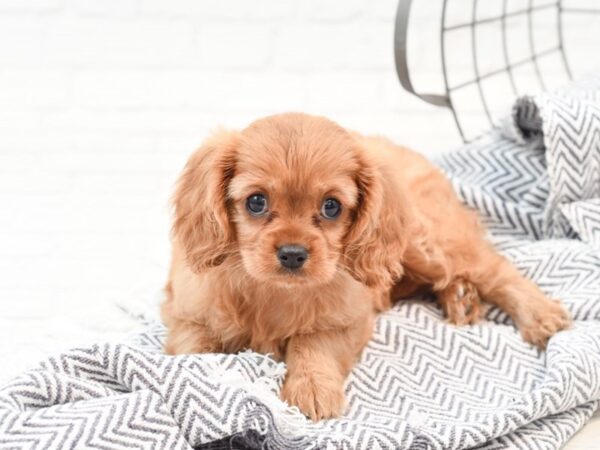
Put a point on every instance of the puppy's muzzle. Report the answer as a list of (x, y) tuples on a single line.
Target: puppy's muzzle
[(292, 256)]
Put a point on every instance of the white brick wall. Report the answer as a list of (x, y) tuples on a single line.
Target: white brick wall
[(102, 101)]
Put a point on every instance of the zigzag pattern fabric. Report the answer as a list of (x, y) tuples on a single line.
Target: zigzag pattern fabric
[(568, 123), (421, 383)]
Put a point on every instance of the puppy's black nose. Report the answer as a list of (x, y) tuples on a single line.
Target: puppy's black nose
[(292, 256)]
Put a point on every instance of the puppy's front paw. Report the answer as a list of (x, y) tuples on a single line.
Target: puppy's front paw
[(460, 302), (316, 398), (541, 319)]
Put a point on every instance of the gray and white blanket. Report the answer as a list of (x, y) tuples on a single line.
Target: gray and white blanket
[(420, 383)]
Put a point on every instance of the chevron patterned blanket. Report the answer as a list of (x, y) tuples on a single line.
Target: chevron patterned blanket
[(421, 383)]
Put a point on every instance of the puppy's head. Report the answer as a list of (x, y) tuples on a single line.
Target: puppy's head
[(298, 199)]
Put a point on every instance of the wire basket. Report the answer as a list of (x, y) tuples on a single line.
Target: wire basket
[(495, 67)]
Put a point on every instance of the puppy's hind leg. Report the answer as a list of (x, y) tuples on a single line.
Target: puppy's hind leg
[(500, 283), (456, 293), (461, 302)]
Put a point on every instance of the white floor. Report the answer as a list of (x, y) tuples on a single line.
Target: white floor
[(588, 438)]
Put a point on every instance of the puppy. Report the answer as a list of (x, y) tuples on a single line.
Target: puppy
[(291, 234)]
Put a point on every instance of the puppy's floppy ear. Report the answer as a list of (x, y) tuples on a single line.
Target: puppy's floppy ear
[(202, 224), (375, 241)]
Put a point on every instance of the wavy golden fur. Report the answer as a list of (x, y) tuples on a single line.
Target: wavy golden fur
[(401, 229)]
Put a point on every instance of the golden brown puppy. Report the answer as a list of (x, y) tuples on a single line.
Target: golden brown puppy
[(290, 234)]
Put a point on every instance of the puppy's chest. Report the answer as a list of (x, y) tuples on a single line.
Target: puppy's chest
[(266, 323)]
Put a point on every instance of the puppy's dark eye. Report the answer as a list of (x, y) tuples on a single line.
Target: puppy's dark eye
[(257, 205), (331, 208)]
